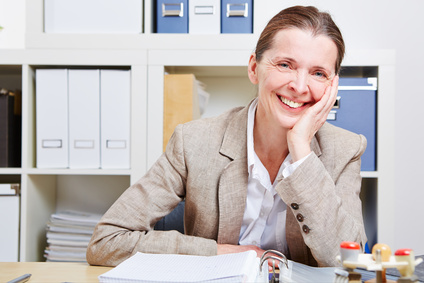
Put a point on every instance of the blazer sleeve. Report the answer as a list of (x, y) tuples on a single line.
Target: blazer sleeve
[(323, 194), (127, 227)]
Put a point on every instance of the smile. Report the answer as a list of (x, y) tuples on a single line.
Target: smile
[(290, 103)]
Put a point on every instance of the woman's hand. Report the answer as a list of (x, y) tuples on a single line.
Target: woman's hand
[(300, 136)]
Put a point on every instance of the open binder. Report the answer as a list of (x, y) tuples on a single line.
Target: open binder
[(238, 267)]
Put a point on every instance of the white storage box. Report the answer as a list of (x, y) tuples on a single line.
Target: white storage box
[(93, 16), (9, 222)]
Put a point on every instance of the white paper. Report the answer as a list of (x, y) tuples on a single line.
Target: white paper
[(143, 267), (301, 273)]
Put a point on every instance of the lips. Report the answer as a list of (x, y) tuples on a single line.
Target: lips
[(290, 103)]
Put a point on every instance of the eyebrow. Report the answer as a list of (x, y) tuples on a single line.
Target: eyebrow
[(291, 60)]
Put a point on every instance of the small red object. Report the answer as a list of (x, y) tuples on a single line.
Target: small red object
[(350, 245), (403, 252)]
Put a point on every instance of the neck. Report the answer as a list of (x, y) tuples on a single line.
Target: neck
[(270, 143)]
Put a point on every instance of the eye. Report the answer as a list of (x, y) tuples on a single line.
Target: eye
[(284, 65), (321, 75)]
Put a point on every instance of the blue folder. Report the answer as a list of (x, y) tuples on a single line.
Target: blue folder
[(355, 110), (237, 16), (172, 16)]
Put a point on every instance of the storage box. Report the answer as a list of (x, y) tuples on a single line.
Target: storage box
[(237, 16), (172, 16), (9, 222), (355, 110), (93, 16), (10, 129), (204, 16)]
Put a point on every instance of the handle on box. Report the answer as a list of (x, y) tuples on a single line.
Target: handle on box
[(172, 9), (233, 10)]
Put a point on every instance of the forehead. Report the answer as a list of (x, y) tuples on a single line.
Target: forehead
[(304, 48)]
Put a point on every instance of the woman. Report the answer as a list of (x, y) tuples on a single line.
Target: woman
[(270, 175)]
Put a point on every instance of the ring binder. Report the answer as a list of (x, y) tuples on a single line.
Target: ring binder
[(281, 259)]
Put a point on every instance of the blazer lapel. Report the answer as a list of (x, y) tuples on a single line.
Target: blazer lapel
[(233, 181)]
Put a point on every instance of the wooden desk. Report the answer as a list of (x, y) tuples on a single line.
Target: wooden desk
[(51, 271)]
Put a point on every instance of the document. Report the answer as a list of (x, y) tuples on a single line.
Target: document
[(239, 267)]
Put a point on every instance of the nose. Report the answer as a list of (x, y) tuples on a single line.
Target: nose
[(299, 83)]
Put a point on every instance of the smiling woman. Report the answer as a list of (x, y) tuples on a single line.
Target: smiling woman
[(271, 175)]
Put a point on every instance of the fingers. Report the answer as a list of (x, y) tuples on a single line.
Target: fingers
[(328, 99)]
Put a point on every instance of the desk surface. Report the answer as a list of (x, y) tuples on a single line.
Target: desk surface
[(51, 271)]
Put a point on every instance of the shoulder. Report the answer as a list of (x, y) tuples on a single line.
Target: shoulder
[(342, 141)]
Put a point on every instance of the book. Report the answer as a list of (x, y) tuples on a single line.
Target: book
[(10, 128), (143, 267)]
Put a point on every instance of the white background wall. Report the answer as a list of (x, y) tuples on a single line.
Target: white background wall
[(12, 19), (398, 25)]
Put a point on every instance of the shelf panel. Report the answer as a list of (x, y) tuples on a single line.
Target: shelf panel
[(369, 174), (141, 41), (94, 172)]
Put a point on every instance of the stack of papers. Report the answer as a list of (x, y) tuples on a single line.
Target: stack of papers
[(141, 267), (68, 235)]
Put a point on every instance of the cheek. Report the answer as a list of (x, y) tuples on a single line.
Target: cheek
[(318, 91)]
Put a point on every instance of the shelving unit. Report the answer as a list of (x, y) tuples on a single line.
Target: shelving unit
[(220, 61)]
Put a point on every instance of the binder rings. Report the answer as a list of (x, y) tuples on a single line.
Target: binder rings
[(115, 118), (52, 118), (237, 16), (93, 16), (355, 110), (204, 16), (9, 222), (10, 128), (172, 16), (84, 119)]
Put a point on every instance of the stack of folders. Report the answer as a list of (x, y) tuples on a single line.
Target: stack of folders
[(83, 118), (204, 16), (68, 235)]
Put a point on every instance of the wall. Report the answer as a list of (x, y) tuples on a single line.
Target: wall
[(12, 19), (397, 25)]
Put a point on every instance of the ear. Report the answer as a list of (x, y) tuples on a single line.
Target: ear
[(252, 69)]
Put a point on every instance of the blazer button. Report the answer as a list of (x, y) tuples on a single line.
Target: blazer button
[(299, 217), (306, 229), (295, 206)]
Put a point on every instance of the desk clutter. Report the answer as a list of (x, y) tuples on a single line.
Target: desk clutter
[(68, 235), (204, 16), (379, 261), (83, 118)]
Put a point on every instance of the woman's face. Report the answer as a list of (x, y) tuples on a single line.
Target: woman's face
[(293, 74)]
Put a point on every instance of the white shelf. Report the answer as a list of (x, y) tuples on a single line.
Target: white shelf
[(93, 172)]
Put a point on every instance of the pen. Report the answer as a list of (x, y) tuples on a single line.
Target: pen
[(21, 279)]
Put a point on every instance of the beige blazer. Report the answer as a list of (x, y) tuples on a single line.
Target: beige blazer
[(206, 162)]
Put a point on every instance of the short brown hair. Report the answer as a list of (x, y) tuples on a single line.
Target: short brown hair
[(305, 18)]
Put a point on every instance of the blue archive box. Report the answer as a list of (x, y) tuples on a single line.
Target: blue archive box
[(172, 16), (355, 110), (237, 16)]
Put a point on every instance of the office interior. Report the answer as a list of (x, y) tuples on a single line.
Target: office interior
[(383, 39)]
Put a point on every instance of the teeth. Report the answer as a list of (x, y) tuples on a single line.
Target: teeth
[(290, 103)]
